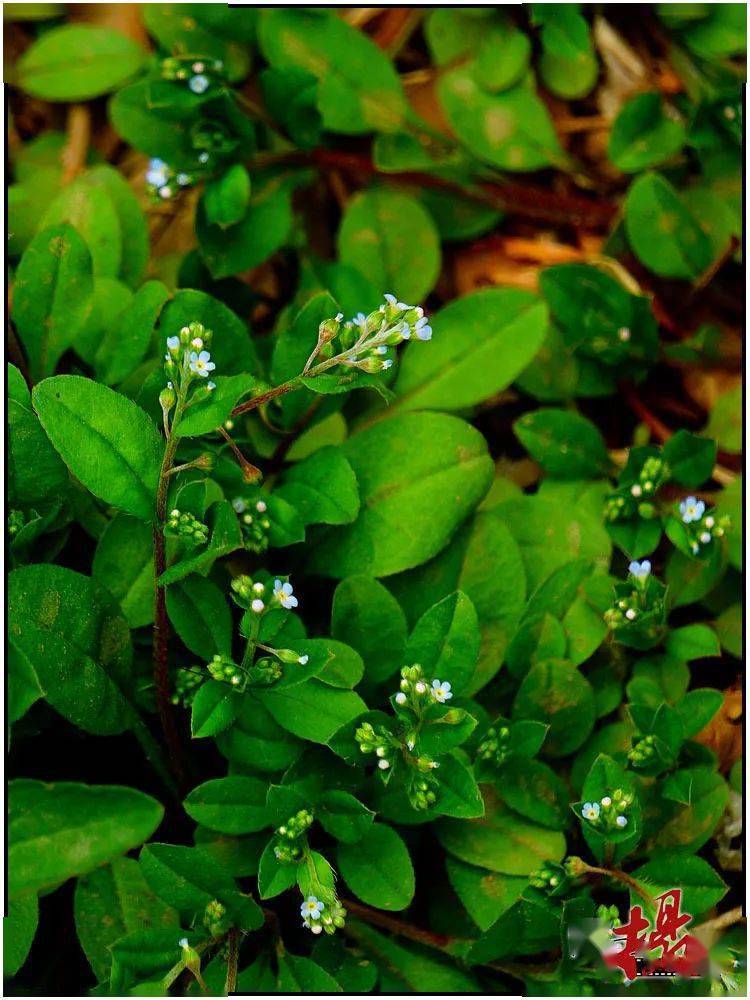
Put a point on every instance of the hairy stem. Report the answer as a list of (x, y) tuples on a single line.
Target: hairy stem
[(233, 956), (161, 621)]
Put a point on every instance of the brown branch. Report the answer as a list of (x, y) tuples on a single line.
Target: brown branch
[(233, 956), (266, 397), (528, 201), (720, 923), (77, 145), (396, 926), (160, 646), (250, 473)]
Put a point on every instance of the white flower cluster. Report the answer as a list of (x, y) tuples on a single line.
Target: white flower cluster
[(609, 813), (199, 74), (255, 596), (317, 917), (701, 527), (162, 182), (414, 691), (187, 361), (254, 522), (363, 342)]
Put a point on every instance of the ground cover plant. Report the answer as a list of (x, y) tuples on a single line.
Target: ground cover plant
[(374, 498)]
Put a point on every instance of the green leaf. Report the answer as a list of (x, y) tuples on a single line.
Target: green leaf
[(533, 789), (663, 233), (529, 927), (445, 641), (444, 729), (690, 826), (409, 967), (75, 638), (501, 841), (313, 710), (390, 238), (701, 887), (366, 616), (378, 868), (19, 929), (645, 133), (729, 629), (344, 816), (146, 955), (416, 461), (551, 532), (51, 296), (124, 564), (322, 488), (43, 479), (725, 421), (485, 895), (568, 65), (480, 344), (189, 30), (226, 199), (213, 709), (302, 975), (697, 709), (556, 693), (262, 230), (256, 741), (90, 209), (126, 343), (690, 458), (201, 616), (274, 876), (75, 62), (566, 445), (234, 805), (58, 830), (23, 684), (106, 441), (114, 901), (692, 642), (187, 878), (358, 87), (484, 562), (512, 130)]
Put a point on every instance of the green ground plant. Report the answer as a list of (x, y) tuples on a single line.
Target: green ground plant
[(374, 495)]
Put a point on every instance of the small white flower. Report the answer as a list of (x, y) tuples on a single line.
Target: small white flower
[(198, 67), (183, 179), (199, 84), (630, 614), (410, 744), (691, 510), (203, 158), (261, 506), (316, 929), (590, 810), (705, 537), (380, 752), (196, 343), (312, 908), (284, 594), (247, 518), (173, 343), (383, 764), (621, 821), (420, 687), (211, 386), (441, 691), (183, 943), (303, 659), (201, 364), (382, 349), (709, 522), (624, 334), (400, 698), (606, 801), (640, 570), (387, 364), (257, 606), (636, 490), (175, 513), (258, 588), (165, 192)]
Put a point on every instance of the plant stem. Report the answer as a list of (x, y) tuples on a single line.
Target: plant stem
[(396, 926), (232, 961), (161, 621), (628, 880)]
